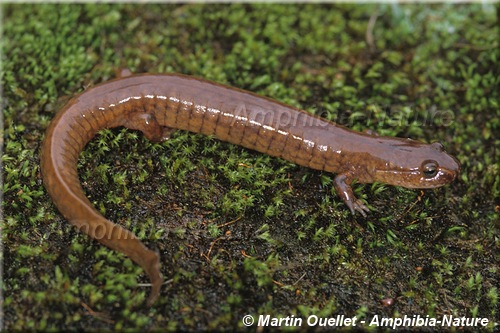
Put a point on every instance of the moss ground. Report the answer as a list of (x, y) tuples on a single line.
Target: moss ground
[(240, 232)]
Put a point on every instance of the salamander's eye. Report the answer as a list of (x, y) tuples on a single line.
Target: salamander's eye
[(430, 169)]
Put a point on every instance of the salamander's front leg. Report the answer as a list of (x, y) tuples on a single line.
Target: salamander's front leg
[(342, 184), (147, 124)]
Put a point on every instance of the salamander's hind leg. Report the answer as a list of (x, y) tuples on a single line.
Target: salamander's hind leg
[(147, 124), (342, 184)]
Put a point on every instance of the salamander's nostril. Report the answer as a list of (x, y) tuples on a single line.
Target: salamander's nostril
[(437, 146)]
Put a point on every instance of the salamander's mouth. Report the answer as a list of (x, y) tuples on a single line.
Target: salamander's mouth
[(414, 178), (442, 177)]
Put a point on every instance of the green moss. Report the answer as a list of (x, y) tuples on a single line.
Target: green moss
[(239, 232)]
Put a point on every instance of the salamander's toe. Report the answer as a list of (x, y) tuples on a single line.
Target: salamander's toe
[(360, 207)]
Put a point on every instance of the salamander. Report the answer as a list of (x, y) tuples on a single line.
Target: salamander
[(159, 104)]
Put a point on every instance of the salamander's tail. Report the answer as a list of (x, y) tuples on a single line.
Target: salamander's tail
[(119, 239), (66, 192)]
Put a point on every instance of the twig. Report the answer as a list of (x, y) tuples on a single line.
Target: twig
[(369, 31)]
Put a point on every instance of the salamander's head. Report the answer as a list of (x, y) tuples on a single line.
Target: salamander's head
[(419, 165)]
